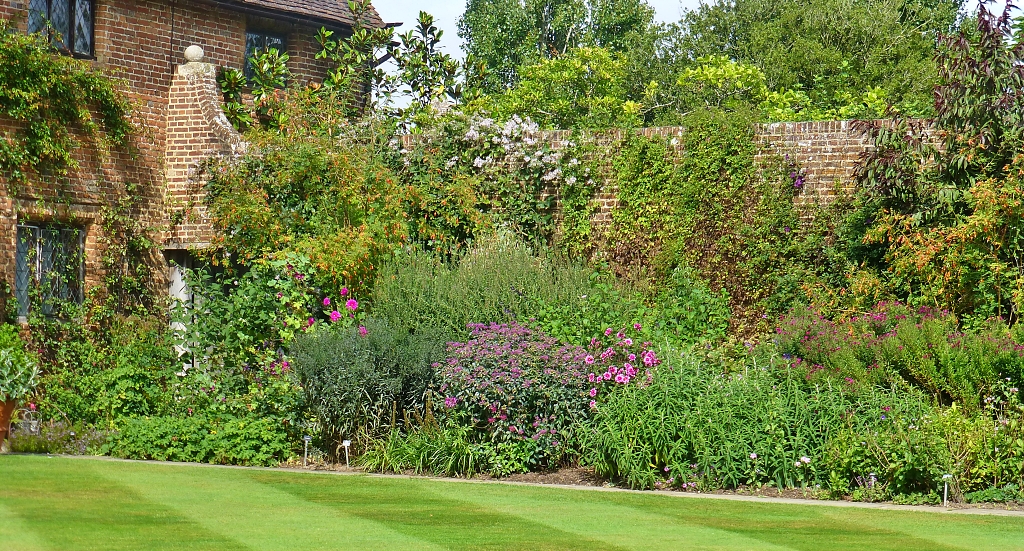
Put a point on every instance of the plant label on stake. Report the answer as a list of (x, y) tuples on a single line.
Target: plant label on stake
[(305, 450), (346, 443)]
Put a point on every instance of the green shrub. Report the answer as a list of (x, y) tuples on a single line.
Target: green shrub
[(696, 425), (894, 344), (252, 440), (498, 280), (360, 382), (18, 369)]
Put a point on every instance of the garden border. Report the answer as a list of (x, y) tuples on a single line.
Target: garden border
[(757, 499)]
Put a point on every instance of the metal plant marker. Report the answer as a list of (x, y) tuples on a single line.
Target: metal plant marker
[(945, 489), (305, 448)]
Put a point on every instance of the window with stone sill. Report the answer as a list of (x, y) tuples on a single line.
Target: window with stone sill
[(69, 22), (49, 267), (258, 41)]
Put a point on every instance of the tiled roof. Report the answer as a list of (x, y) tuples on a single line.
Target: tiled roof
[(324, 11)]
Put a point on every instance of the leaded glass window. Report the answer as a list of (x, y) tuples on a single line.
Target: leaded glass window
[(69, 23), (49, 267)]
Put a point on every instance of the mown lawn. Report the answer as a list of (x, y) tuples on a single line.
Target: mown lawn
[(66, 504)]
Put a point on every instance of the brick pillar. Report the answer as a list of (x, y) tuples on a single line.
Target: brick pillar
[(196, 129)]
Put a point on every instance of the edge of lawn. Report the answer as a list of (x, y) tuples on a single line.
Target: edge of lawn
[(684, 495)]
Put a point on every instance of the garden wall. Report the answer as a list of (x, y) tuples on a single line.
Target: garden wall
[(828, 151)]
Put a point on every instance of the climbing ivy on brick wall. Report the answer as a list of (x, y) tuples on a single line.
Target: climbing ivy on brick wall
[(53, 104)]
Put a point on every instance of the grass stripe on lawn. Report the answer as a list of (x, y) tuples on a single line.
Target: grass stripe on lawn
[(236, 504), (15, 533), (604, 517), (65, 505), (413, 508)]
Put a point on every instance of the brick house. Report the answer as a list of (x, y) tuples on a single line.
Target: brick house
[(55, 226)]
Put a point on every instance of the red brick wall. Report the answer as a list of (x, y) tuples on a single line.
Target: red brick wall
[(142, 42), (828, 152)]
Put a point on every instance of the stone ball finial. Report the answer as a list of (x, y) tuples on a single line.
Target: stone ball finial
[(194, 54)]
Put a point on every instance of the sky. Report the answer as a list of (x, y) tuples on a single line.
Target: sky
[(446, 14)]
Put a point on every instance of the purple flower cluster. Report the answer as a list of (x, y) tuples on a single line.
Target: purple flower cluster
[(893, 336), (514, 382)]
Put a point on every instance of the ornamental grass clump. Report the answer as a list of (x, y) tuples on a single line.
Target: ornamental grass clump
[(526, 395)]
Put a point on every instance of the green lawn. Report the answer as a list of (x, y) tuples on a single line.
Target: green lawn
[(65, 504)]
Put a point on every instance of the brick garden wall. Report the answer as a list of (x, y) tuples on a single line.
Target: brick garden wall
[(828, 151), (141, 41)]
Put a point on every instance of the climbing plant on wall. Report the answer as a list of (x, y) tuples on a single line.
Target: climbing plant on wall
[(56, 103)]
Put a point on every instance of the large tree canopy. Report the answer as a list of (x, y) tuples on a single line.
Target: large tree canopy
[(828, 47), (506, 34)]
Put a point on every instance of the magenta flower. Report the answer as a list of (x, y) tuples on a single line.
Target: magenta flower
[(621, 378), (352, 304), (512, 428), (450, 402), (608, 332), (593, 392), (335, 315), (362, 331), (593, 404), (589, 359), (627, 342), (344, 291), (327, 301), (591, 377), (310, 322), (637, 326)]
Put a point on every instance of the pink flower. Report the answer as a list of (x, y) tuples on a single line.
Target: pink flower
[(32, 406), (310, 322), (593, 392), (450, 402), (335, 315), (593, 404), (632, 357), (591, 377), (512, 428), (627, 342), (344, 291), (352, 304), (362, 331), (620, 378), (608, 332), (327, 301), (637, 326), (589, 359)]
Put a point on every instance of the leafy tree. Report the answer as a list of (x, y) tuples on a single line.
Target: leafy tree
[(828, 48), (585, 88), (507, 34), (718, 82), (941, 213), (429, 73)]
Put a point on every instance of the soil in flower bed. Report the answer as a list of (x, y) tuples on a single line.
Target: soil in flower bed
[(576, 476)]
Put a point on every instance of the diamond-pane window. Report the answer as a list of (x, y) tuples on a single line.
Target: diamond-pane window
[(83, 27), (49, 267), (69, 23)]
